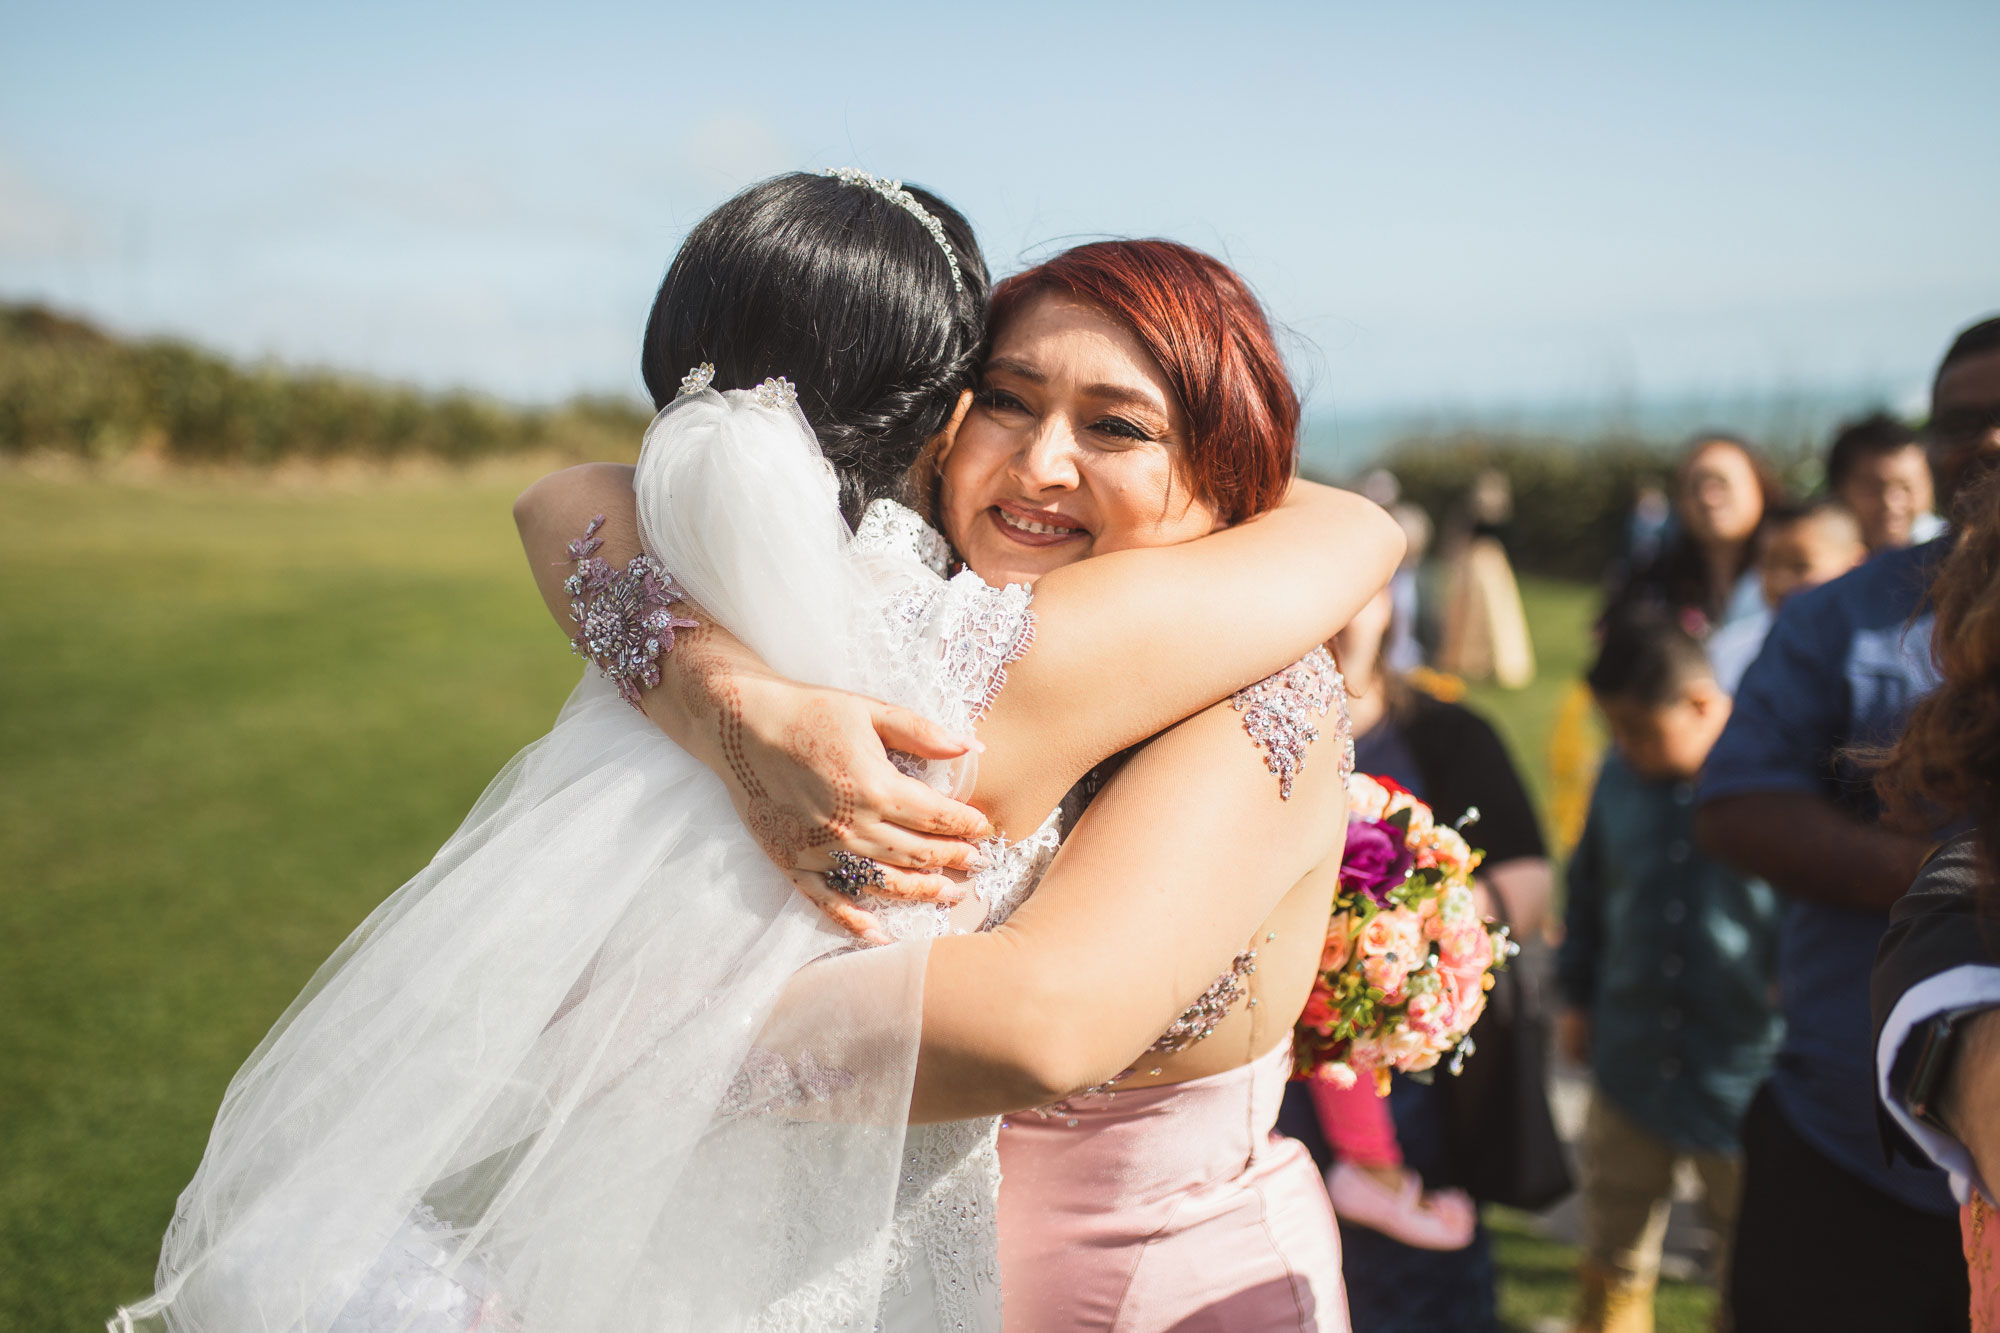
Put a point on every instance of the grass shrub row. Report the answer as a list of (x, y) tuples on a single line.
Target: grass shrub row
[(70, 388)]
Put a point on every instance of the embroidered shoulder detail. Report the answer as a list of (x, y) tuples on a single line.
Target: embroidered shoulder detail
[(888, 528), (1278, 712), (982, 631)]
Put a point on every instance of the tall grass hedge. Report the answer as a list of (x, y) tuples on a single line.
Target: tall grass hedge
[(68, 387)]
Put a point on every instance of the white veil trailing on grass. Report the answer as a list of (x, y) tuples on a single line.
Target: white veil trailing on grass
[(572, 1076)]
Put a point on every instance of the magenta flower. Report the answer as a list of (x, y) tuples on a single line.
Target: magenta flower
[(1376, 860)]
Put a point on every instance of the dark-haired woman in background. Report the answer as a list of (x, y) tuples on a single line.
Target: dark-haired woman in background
[(1936, 990), (1722, 487), (1450, 757)]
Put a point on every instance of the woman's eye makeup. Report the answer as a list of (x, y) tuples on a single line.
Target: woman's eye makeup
[(1123, 429), (999, 400)]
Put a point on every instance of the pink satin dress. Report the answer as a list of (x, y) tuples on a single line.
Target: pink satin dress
[(1171, 1208)]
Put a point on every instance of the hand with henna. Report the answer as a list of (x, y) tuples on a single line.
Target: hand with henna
[(808, 768)]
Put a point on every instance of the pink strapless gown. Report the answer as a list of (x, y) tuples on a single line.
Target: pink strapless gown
[(1167, 1209)]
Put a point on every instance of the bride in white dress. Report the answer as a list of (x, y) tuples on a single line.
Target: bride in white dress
[(578, 1074)]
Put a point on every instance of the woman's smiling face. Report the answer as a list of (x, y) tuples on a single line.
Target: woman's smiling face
[(1072, 448)]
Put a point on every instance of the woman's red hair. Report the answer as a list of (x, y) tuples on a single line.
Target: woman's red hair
[(1211, 337)]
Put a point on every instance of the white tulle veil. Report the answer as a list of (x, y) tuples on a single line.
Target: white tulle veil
[(572, 1076)]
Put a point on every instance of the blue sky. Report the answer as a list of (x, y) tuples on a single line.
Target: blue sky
[(1443, 203)]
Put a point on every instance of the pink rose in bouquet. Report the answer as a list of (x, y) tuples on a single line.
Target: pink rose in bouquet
[(1392, 946), (1339, 944)]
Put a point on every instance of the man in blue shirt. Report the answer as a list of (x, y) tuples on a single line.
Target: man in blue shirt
[(1830, 1233)]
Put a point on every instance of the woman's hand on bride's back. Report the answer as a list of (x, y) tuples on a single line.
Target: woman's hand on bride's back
[(809, 771)]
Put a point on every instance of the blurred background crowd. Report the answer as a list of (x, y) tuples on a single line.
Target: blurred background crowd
[(1712, 951)]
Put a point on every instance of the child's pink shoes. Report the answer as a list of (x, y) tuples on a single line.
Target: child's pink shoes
[(1433, 1220)]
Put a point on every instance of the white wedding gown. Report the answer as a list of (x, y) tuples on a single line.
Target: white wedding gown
[(598, 1067)]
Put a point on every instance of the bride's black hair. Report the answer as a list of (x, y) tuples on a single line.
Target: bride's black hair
[(846, 294)]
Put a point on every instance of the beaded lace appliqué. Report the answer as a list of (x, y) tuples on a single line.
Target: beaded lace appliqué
[(888, 528), (621, 615), (1278, 712)]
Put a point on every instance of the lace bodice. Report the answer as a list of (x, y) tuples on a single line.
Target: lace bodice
[(888, 528), (941, 646)]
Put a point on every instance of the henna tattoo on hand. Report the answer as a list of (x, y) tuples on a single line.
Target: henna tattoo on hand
[(704, 685)]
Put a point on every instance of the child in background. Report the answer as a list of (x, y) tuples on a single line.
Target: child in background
[(1802, 546), (1878, 467), (1665, 971)]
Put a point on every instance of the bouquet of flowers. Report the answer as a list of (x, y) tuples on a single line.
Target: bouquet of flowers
[(1408, 961)]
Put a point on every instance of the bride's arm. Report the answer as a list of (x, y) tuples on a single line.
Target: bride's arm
[(1111, 664), (1177, 863)]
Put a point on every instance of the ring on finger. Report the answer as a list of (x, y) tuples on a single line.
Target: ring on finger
[(852, 874)]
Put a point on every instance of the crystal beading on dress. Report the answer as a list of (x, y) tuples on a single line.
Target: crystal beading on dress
[(1209, 1009), (1278, 713), (894, 192), (622, 618)]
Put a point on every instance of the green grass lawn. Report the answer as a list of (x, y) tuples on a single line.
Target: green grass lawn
[(232, 719)]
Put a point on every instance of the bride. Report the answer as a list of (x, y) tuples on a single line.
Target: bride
[(580, 1073), (1123, 1210)]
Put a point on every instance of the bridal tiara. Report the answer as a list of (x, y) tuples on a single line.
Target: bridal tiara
[(774, 392), (894, 192)]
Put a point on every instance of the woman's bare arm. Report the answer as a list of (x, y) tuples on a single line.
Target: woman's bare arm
[(1177, 863), (1255, 598), (1131, 642)]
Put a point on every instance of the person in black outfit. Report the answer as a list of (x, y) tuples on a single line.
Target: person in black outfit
[(1449, 757)]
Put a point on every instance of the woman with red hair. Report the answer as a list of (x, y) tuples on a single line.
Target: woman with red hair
[(1132, 1001)]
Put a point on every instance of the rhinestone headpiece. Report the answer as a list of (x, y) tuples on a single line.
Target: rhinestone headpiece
[(894, 192), (776, 392), (696, 380)]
